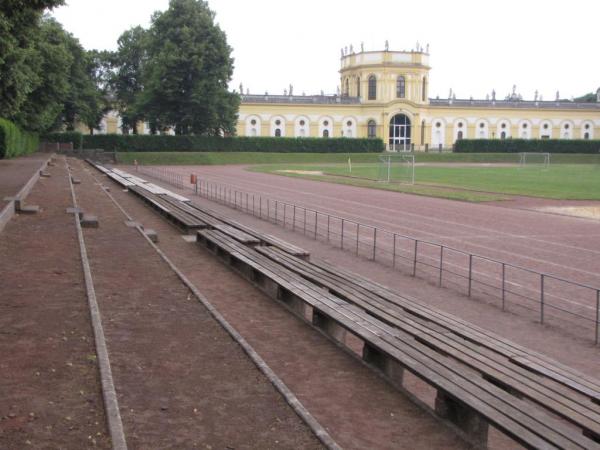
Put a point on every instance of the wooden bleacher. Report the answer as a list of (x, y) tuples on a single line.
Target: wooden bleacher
[(476, 385), (183, 213)]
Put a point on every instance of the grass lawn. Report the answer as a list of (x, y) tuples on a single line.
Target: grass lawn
[(477, 183), (216, 158), (570, 176)]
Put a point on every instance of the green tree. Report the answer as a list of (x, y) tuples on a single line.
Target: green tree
[(587, 98), (188, 69), (19, 65), (52, 59), (127, 80)]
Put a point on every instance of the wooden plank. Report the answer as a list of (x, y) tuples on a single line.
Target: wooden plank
[(523, 361), (465, 329), (238, 235)]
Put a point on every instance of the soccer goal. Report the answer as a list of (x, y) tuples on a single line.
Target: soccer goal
[(528, 159), (396, 168)]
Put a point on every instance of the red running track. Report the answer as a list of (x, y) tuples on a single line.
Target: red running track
[(564, 246)]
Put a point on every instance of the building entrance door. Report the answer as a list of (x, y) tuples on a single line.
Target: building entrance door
[(400, 129)]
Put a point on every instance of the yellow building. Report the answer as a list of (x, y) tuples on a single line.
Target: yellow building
[(385, 94)]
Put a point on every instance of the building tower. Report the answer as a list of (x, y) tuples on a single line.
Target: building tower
[(390, 79)]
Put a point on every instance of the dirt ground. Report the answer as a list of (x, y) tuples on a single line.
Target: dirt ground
[(49, 384), (182, 382), (15, 173)]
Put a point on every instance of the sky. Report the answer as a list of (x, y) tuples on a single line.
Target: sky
[(475, 45)]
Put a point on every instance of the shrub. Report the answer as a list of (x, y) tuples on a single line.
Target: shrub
[(162, 143), (527, 145), (15, 142)]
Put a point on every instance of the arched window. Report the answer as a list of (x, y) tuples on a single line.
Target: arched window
[(278, 132), (372, 87), (358, 87), (400, 87), (371, 129), (586, 136), (424, 88), (325, 133), (346, 88), (503, 135), (459, 136)]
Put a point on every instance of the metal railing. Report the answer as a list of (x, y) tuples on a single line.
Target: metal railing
[(545, 295)]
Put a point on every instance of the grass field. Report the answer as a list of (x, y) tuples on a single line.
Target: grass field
[(472, 183), (222, 158), (570, 177)]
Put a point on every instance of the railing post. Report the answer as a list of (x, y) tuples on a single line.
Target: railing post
[(374, 242), (441, 264), (304, 225), (394, 253), (503, 286), (597, 314), (542, 298), (470, 274), (342, 234), (415, 258)]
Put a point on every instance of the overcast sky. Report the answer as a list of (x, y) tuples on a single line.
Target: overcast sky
[(475, 45)]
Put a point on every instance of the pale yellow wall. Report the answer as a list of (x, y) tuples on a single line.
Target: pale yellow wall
[(382, 113)]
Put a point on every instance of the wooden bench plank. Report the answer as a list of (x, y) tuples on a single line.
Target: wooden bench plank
[(238, 235), (264, 238), (465, 329)]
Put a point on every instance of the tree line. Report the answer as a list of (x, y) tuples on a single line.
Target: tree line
[(173, 75)]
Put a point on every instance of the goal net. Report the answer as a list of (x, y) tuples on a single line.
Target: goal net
[(528, 159), (396, 168)]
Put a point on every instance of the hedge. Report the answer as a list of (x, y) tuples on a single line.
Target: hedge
[(162, 143), (15, 142), (527, 145)]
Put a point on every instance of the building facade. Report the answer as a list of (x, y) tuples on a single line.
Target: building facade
[(384, 94)]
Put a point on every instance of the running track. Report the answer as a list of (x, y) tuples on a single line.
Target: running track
[(562, 246)]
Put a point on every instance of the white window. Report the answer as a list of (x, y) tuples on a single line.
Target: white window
[(301, 127), (277, 126), (253, 124)]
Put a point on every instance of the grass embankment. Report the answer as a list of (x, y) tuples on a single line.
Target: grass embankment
[(223, 158)]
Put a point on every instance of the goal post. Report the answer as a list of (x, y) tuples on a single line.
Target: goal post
[(534, 159), (396, 168)]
